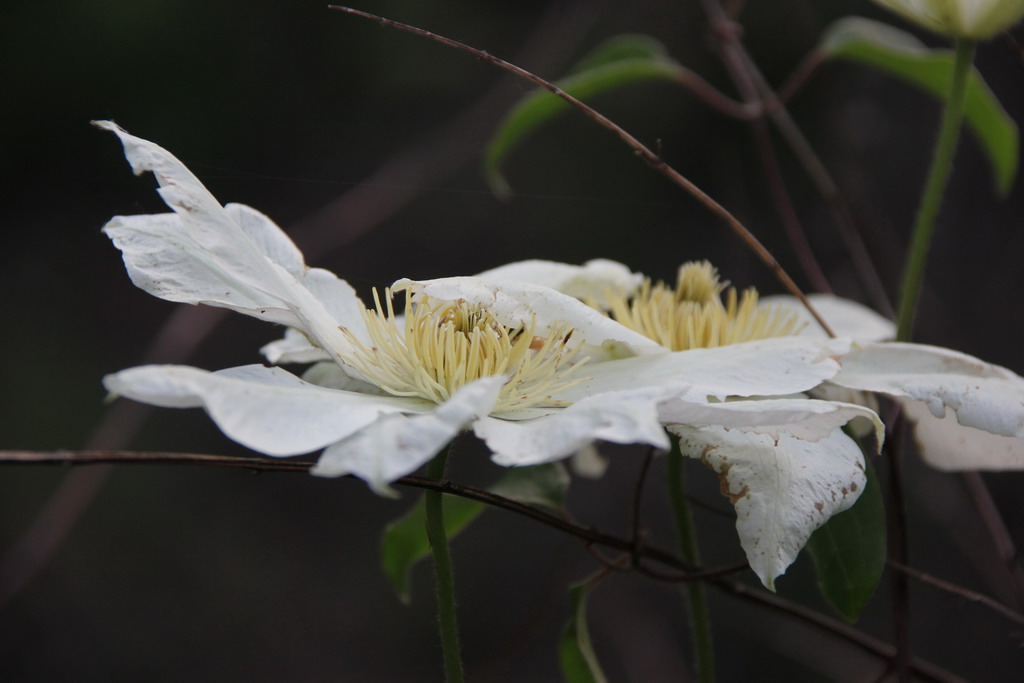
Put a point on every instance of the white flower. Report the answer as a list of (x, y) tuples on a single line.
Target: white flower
[(960, 18), (535, 373), (785, 463)]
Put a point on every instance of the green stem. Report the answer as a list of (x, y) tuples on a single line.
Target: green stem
[(700, 616), (447, 620), (935, 186)]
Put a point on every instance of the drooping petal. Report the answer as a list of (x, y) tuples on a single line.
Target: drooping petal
[(593, 281), (517, 304), (782, 484), (619, 417), (397, 445), (846, 318), (265, 409), (948, 445), (233, 257), (979, 395), (779, 366)]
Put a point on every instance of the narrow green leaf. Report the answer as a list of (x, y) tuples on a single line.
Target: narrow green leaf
[(849, 552), (405, 543), (902, 55), (620, 61), (544, 485), (579, 663)]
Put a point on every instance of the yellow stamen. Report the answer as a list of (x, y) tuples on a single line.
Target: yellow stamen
[(443, 345), (693, 315)]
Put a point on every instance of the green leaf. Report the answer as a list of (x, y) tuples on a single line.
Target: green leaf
[(849, 552), (902, 55), (617, 62), (579, 663), (543, 485), (619, 48), (405, 543)]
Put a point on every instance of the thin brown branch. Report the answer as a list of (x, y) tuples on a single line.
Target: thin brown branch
[(687, 577), (899, 549), (745, 70), (592, 536), (1005, 546), (715, 99), (755, 99), (641, 150), (923, 669), (960, 591), (638, 493), (827, 188), (263, 464)]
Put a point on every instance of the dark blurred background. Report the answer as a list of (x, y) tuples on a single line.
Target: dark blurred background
[(365, 144)]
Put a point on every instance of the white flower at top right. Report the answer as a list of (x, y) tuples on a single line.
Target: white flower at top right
[(977, 19)]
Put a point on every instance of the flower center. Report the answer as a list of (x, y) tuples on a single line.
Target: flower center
[(442, 345), (692, 315)]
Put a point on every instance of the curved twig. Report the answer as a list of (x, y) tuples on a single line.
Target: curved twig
[(959, 591), (641, 150)]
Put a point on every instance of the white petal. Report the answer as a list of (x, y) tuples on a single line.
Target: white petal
[(265, 236), (846, 318), (518, 303), (234, 257), (294, 347), (592, 281), (266, 409), (948, 445), (620, 417), (333, 376), (802, 418), (397, 445), (588, 462), (780, 366), (782, 487), (985, 396), (834, 392)]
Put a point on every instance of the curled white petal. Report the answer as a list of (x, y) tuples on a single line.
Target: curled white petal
[(982, 395), (593, 281), (846, 318), (620, 417), (265, 409), (232, 257), (396, 445), (516, 304), (948, 445), (782, 485), (951, 386)]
